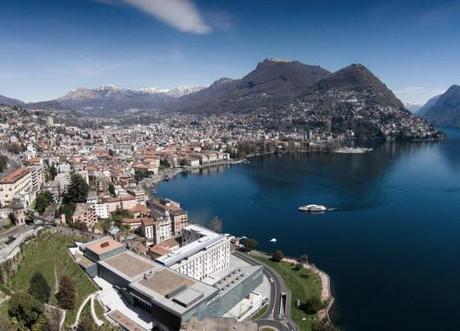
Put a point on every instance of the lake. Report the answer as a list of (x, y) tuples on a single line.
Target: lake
[(392, 245)]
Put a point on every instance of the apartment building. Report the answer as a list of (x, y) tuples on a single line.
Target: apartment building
[(179, 217), (84, 213), (16, 185)]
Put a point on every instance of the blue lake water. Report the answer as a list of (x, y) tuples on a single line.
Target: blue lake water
[(392, 247)]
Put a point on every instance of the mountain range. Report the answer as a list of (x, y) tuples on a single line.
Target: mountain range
[(444, 109), (281, 94)]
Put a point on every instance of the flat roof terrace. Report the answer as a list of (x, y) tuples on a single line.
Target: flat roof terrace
[(129, 264), (165, 282), (173, 291)]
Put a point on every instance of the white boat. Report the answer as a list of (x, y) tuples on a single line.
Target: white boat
[(273, 240), (313, 208)]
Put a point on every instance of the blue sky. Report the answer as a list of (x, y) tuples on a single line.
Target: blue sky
[(50, 47)]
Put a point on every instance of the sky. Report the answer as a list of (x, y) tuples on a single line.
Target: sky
[(48, 48)]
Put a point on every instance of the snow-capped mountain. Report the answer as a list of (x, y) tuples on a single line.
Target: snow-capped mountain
[(110, 97)]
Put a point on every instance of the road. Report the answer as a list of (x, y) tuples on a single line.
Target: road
[(14, 231), (272, 317)]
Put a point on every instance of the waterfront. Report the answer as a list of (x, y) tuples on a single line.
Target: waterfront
[(391, 247)]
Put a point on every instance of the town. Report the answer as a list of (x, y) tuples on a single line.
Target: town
[(154, 268)]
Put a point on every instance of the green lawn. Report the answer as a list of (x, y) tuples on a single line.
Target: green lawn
[(303, 285), (48, 254)]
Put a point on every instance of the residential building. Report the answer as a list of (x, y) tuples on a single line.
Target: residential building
[(85, 214), (16, 185)]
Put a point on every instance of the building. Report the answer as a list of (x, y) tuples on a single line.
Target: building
[(122, 202), (179, 217), (172, 298), (203, 254), (219, 323), (85, 214), (38, 177), (16, 185)]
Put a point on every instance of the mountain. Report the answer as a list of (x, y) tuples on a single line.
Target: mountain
[(412, 107), (105, 99), (272, 83), (352, 101), (427, 106), (291, 96), (443, 110), (9, 101)]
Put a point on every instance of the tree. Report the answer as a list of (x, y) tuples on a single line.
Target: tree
[(112, 189), (298, 266), (85, 325), (51, 172), (164, 164), (25, 309), (43, 200), (312, 305), (13, 218), (277, 256), (216, 225), (249, 243), (304, 259), (3, 163), (66, 295), (77, 190), (39, 288)]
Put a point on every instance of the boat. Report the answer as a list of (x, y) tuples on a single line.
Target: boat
[(273, 240), (313, 208)]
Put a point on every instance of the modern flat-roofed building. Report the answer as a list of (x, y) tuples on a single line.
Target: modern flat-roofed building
[(16, 185), (172, 298), (203, 254)]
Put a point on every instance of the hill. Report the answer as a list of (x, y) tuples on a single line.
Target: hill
[(272, 83), (443, 110)]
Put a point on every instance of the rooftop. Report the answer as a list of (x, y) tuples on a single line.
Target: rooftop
[(14, 176), (172, 290), (103, 245), (129, 264)]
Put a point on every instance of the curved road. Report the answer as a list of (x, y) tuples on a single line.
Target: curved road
[(272, 317)]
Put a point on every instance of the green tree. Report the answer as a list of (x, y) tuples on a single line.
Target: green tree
[(43, 200), (164, 164), (3, 163), (39, 288), (277, 256), (249, 243), (112, 189), (13, 218), (25, 309), (51, 172), (77, 190), (312, 305), (216, 225), (66, 295), (85, 325)]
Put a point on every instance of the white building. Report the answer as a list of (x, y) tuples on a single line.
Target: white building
[(203, 254)]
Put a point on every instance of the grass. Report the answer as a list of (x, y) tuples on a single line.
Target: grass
[(303, 284), (48, 255), (260, 313)]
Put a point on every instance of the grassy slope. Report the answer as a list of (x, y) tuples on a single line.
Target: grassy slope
[(48, 255), (303, 285)]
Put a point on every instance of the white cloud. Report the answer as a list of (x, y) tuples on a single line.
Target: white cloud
[(418, 95), (180, 14)]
